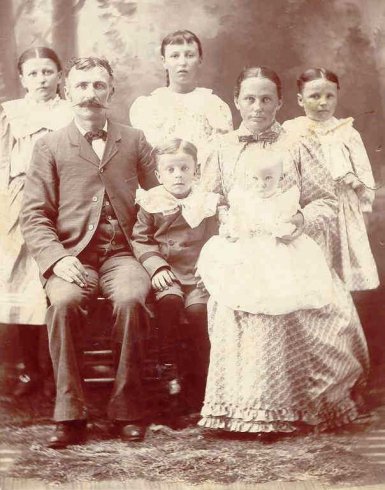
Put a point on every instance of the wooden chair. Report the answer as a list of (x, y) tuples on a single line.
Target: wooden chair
[(98, 366)]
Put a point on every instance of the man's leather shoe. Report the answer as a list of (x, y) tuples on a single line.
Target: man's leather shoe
[(129, 432), (68, 433)]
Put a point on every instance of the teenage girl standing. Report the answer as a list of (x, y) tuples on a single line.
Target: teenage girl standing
[(22, 122), (182, 109)]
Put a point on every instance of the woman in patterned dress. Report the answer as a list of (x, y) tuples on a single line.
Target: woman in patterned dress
[(22, 122), (302, 369), (181, 109)]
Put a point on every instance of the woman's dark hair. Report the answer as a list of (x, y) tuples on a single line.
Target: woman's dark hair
[(174, 146), (258, 72), (39, 52), (315, 74), (180, 37)]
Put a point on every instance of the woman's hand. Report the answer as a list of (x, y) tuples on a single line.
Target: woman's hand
[(163, 279), (71, 270), (298, 221)]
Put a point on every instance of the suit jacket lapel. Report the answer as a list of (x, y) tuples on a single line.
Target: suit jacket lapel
[(112, 143), (84, 148)]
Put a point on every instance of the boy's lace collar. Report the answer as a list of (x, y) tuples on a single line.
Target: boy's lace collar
[(197, 206)]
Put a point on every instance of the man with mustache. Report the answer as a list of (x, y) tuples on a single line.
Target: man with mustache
[(77, 219)]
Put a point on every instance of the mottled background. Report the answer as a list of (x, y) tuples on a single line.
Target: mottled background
[(346, 36)]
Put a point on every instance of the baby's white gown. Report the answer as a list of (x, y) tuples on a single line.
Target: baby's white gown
[(258, 273)]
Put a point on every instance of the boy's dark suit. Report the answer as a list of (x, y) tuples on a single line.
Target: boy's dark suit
[(167, 241)]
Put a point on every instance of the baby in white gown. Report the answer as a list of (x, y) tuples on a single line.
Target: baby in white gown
[(248, 267)]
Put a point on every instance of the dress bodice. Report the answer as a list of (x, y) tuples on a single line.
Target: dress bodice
[(22, 122), (195, 116)]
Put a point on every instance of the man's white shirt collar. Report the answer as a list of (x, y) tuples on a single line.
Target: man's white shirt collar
[(98, 145)]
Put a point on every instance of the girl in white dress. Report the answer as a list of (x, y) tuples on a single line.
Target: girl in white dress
[(182, 109), (252, 248), (347, 160), (22, 122)]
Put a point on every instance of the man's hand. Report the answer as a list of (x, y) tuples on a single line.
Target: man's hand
[(163, 279), (71, 270), (298, 221)]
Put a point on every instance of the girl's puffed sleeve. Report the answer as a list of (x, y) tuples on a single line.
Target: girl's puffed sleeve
[(145, 115), (219, 115), (362, 168), (317, 199), (6, 144), (138, 112)]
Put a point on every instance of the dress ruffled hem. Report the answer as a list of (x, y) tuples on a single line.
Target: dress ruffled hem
[(282, 420)]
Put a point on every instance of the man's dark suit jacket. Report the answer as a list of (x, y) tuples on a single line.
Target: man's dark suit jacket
[(65, 185)]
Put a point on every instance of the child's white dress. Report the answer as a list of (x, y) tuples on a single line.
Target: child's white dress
[(344, 154), (258, 273), (22, 123), (196, 116)]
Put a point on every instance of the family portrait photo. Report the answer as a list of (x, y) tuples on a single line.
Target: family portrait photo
[(192, 244)]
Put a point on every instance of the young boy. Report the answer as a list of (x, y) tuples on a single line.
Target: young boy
[(174, 222)]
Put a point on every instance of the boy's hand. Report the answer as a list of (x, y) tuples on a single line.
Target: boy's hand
[(163, 279)]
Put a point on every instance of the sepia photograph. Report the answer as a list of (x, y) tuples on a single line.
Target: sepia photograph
[(192, 244)]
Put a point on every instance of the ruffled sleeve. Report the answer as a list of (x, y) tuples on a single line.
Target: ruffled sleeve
[(143, 116), (219, 115), (362, 168), (139, 112), (6, 144), (149, 114)]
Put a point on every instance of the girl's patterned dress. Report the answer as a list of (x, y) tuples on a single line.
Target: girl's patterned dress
[(196, 116), (277, 373), (344, 153), (22, 122)]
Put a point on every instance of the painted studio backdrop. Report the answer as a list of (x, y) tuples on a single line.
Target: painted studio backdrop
[(346, 36)]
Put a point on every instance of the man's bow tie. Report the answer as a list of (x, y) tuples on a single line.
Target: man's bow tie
[(95, 135), (265, 137)]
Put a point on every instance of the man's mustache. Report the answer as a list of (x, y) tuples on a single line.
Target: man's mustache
[(91, 103)]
